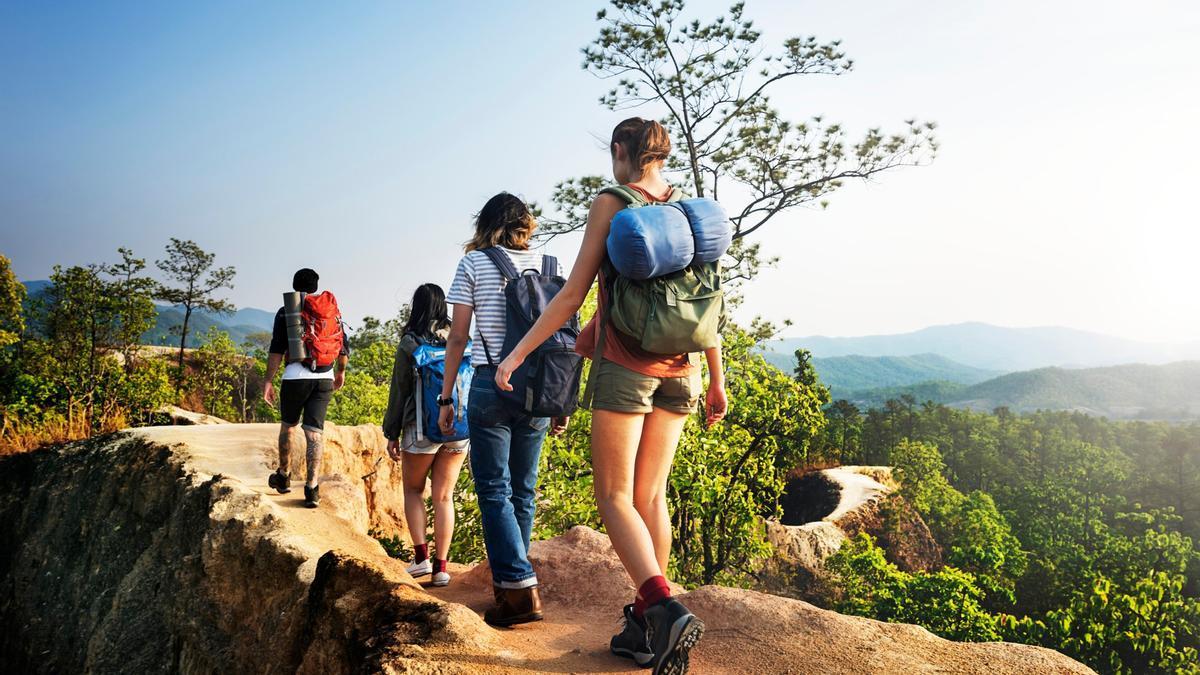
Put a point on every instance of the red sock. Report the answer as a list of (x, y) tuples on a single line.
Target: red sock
[(654, 591), (439, 565), (420, 552)]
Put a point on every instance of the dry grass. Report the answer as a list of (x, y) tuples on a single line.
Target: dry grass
[(17, 436)]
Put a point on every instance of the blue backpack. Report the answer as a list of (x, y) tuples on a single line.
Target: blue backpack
[(547, 383), (430, 365)]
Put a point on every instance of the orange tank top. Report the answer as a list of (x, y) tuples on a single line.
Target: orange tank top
[(624, 350)]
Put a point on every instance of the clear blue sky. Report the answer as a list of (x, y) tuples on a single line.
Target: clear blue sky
[(359, 139)]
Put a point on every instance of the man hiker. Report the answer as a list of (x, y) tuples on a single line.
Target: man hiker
[(308, 336)]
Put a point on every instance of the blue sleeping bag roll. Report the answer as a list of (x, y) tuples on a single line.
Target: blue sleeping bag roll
[(712, 233), (650, 241)]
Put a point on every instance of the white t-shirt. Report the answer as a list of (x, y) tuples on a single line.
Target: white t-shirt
[(478, 284), (298, 371)]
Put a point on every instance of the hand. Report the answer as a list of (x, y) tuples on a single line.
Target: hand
[(446, 419), (505, 370), (339, 379), (715, 404), (559, 424), (393, 449), (269, 393)]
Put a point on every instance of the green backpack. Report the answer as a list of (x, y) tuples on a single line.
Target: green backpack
[(678, 313)]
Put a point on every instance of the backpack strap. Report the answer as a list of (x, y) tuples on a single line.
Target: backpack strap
[(502, 262), (549, 266), (627, 194)]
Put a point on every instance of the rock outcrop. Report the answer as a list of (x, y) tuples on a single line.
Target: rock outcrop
[(162, 550), (822, 509)]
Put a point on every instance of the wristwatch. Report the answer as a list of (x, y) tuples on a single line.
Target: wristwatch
[(445, 401)]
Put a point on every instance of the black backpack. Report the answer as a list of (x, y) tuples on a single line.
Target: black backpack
[(547, 383)]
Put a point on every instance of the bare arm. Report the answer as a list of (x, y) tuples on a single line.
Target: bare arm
[(273, 361), (568, 301), (715, 402), (456, 344)]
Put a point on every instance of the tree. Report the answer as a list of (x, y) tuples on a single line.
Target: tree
[(218, 369), (12, 313), (191, 267), (713, 80), (135, 307)]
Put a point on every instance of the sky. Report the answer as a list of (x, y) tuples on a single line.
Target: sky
[(361, 138)]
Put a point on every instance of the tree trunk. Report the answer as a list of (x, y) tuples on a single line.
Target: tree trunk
[(187, 316)]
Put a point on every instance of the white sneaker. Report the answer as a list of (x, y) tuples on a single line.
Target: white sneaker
[(440, 579), (420, 569)]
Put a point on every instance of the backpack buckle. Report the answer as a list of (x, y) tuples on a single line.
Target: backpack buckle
[(672, 300)]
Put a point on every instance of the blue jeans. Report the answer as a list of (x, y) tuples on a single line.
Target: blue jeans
[(506, 445)]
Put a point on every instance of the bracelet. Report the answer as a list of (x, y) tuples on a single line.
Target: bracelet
[(445, 401)]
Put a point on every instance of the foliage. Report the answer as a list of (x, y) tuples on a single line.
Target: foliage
[(395, 547), (12, 300), (132, 294), (219, 365), (191, 268), (946, 602)]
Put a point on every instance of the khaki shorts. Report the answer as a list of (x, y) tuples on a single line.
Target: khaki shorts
[(620, 389)]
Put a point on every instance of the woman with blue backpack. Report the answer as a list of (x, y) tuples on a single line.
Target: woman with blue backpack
[(660, 306), (506, 435), (415, 438)]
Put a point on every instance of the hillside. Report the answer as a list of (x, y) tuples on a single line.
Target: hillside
[(240, 325), (1135, 391), (845, 374), (162, 550), (999, 348)]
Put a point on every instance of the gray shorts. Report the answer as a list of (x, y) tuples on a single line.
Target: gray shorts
[(410, 444)]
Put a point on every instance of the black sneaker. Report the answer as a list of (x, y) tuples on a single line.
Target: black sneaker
[(671, 631), (312, 496), (281, 483), (631, 641)]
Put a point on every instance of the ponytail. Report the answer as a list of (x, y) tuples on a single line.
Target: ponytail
[(645, 141)]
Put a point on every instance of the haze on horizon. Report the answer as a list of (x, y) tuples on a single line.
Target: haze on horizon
[(361, 140)]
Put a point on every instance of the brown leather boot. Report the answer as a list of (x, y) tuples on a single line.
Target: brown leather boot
[(514, 606)]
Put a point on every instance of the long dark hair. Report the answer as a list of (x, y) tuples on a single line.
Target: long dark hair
[(427, 314), (505, 221)]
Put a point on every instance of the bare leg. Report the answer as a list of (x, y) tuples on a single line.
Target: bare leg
[(615, 440), (445, 475), (285, 449), (313, 454), (660, 437), (414, 468)]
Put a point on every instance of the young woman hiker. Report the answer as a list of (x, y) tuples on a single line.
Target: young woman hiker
[(640, 403), (506, 444), (420, 457)]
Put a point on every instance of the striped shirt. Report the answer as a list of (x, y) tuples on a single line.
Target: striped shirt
[(478, 284)]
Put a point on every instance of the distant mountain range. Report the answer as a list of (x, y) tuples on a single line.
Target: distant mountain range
[(240, 324), (1136, 391), (847, 374), (996, 348)]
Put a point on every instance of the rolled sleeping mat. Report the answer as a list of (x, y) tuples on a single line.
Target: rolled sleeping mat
[(650, 241), (712, 232), (658, 239), (293, 302)]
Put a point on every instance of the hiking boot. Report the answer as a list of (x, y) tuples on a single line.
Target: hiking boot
[(420, 569), (281, 482), (312, 496), (671, 631), (514, 606), (631, 641)]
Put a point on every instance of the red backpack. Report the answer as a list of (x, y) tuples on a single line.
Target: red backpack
[(323, 333)]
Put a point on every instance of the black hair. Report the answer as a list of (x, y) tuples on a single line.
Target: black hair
[(305, 280), (428, 312)]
